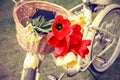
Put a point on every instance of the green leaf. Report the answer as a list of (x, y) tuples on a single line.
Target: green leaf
[(41, 25), (42, 21), (41, 30), (36, 20), (48, 23)]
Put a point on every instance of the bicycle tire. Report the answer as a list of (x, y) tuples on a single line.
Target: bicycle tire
[(113, 57)]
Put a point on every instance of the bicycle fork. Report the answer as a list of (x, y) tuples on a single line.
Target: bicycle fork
[(31, 66)]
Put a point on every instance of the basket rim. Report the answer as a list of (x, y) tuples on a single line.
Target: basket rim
[(44, 2), (19, 4)]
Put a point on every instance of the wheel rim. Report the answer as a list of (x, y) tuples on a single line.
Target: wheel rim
[(102, 41)]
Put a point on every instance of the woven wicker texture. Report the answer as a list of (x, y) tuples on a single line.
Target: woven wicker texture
[(22, 12)]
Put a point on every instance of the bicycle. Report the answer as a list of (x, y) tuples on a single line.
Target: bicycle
[(103, 31)]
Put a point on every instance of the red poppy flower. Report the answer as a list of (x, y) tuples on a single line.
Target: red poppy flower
[(60, 27), (66, 39)]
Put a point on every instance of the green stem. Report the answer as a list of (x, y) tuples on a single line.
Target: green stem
[(42, 30)]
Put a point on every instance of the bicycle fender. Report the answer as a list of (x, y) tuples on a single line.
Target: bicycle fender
[(102, 13)]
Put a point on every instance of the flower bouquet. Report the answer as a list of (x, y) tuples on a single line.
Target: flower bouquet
[(67, 40)]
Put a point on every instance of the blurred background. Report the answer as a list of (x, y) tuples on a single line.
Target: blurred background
[(12, 55)]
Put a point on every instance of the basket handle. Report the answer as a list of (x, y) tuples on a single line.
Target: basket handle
[(16, 1), (21, 0)]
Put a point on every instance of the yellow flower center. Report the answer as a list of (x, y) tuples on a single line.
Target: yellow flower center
[(29, 27)]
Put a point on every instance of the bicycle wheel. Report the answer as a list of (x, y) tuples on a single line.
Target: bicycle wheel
[(102, 41)]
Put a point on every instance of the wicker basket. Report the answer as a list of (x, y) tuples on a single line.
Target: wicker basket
[(21, 13)]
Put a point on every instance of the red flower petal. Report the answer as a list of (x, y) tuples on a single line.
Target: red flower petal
[(76, 34), (52, 40), (86, 42), (60, 51), (83, 48), (74, 48), (74, 51), (76, 28), (83, 51), (64, 42), (60, 27), (81, 54)]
